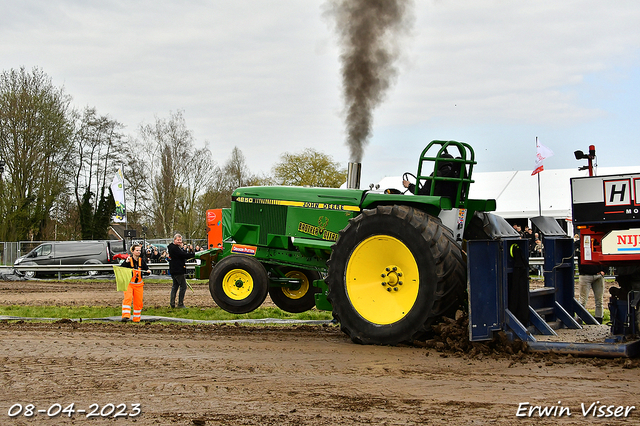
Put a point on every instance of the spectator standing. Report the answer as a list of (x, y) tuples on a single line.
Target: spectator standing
[(177, 269), (528, 234), (590, 277), (537, 250), (135, 291), (155, 256), (518, 229)]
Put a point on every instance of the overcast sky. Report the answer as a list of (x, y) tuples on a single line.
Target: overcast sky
[(265, 76)]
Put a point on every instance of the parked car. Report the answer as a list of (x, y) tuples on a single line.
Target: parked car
[(71, 253)]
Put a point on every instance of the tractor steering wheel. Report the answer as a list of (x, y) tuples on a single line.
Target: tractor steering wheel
[(406, 176)]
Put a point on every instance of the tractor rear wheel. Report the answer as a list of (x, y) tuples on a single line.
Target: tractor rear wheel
[(299, 299), (392, 273), (238, 284)]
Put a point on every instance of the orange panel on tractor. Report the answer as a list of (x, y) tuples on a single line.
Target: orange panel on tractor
[(214, 224)]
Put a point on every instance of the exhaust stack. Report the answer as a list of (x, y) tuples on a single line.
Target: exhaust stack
[(353, 175)]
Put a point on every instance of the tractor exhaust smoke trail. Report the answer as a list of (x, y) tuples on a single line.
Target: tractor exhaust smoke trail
[(368, 32)]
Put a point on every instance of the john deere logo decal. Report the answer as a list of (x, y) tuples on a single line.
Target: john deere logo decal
[(318, 231)]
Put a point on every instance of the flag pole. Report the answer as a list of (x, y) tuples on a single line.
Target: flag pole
[(124, 199), (539, 200)]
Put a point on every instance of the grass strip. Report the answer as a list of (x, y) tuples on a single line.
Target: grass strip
[(74, 312)]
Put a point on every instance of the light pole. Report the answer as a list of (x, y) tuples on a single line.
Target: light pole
[(144, 242), (590, 156)]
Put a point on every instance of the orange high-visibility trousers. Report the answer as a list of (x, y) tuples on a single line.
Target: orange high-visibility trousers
[(133, 294)]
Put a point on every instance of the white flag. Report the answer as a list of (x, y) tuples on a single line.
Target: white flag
[(117, 188), (542, 152)]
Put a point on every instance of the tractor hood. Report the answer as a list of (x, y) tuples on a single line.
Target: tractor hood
[(296, 196)]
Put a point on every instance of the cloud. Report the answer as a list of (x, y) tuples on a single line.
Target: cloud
[(510, 62), (266, 78)]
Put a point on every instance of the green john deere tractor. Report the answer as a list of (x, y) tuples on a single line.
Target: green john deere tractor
[(388, 264)]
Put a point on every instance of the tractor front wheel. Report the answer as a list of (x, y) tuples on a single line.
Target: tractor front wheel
[(238, 284), (298, 298), (392, 273)]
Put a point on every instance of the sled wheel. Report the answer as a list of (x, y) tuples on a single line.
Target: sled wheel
[(392, 273), (238, 284), (299, 299)]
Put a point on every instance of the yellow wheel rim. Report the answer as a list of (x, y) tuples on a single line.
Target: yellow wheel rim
[(382, 279), (237, 284), (304, 285)]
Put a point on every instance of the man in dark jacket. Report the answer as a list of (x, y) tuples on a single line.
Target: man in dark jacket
[(442, 188), (177, 258)]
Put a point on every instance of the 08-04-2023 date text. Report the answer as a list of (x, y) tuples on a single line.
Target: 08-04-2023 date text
[(94, 410)]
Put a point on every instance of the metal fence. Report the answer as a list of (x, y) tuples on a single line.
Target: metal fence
[(9, 252), (190, 266)]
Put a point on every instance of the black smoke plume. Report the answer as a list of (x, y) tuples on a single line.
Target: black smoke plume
[(368, 31)]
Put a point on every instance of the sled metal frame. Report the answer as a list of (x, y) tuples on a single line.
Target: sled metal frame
[(489, 264), (554, 306)]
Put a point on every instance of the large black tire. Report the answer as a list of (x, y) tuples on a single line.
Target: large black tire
[(377, 304), (299, 300), (238, 284)]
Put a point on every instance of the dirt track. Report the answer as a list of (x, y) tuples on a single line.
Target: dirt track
[(83, 293), (302, 375)]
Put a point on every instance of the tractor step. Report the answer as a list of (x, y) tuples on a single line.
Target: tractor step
[(545, 311), (541, 292)]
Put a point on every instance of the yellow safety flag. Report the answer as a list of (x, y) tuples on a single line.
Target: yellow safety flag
[(123, 277)]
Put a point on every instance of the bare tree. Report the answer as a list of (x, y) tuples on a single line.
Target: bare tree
[(200, 175), (35, 142), (234, 174), (136, 170), (97, 142), (236, 170), (216, 195), (180, 174)]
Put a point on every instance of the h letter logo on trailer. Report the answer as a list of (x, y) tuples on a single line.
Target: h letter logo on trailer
[(605, 198), (618, 192)]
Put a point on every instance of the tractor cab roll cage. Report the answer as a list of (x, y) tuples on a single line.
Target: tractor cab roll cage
[(451, 172)]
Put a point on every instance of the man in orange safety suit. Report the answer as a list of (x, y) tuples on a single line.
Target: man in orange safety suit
[(135, 290)]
